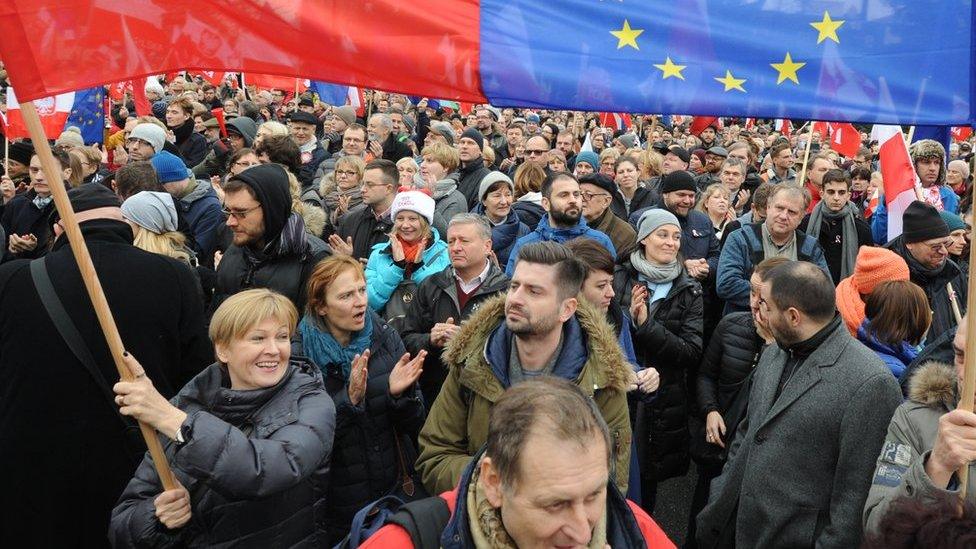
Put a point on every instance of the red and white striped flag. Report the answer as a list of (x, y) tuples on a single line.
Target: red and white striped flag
[(898, 174), (872, 205), (784, 127), (845, 139)]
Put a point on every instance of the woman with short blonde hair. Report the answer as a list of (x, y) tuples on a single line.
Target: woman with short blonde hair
[(250, 436)]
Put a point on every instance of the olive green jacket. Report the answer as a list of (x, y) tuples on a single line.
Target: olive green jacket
[(457, 426)]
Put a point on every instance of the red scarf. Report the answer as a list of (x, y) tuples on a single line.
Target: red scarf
[(411, 251)]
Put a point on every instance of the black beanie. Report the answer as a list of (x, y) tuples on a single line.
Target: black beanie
[(473, 133), (21, 152), (88, 197), (601, 181), (678, 180), (270, 185), (922, 222)]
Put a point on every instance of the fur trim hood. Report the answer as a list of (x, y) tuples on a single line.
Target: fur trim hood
[(927, 148), (606, 361), (934, 385), (314, 220)]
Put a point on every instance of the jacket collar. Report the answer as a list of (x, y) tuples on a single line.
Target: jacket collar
[(100, 230), (604, 368), (547, 231)]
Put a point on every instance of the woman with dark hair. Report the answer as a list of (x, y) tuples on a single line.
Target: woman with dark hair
[(550, 131), (898, 318), (665, 305)]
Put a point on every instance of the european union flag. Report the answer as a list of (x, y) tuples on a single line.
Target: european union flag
[(879, 61), (87, 113), (333, 94)]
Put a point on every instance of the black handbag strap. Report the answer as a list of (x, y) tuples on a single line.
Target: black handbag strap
[(69, 332)]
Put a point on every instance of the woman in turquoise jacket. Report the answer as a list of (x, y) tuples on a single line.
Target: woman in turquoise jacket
[(414, 252)]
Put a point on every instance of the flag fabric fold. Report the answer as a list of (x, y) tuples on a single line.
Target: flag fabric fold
[(847, 63)]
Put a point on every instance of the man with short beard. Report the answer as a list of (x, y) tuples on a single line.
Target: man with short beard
[(539, 328), (563, 202), (799, 468), (271, 248), (485, 120)]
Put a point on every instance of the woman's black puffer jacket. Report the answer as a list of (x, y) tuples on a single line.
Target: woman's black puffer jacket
[(671, 342), (731, 355), (365, 465)]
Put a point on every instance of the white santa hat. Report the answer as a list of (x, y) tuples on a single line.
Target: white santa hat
[(414, 201)]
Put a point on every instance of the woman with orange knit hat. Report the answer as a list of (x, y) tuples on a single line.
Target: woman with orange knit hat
[(873, 266)]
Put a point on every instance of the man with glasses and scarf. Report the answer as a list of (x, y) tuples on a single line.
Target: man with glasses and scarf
[(923, 244)]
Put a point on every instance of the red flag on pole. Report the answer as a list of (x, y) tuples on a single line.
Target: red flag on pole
[(898, 174), (221, 121), (961, 133), (823, 128), (845, 139), (699, 124), (143, 108)]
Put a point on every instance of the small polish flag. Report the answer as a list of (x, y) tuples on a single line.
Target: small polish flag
[(898, 174), (784, 127), (615, 120)]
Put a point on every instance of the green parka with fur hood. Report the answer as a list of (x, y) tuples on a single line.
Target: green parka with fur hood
[(457, 426)]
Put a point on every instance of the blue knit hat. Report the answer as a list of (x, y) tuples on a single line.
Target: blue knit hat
[(169, 167), (590, 158), (953, 221)]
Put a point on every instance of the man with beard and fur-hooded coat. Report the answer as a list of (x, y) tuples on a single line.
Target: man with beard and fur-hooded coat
[(288, 253), (457, 425)]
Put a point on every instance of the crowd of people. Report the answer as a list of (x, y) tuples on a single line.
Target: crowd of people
[(521, 319)]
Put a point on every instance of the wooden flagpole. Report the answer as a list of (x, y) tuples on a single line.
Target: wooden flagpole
[(969, 374), (802, 181), (90, 277)]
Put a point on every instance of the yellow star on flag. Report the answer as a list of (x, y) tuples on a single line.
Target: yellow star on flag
[(827, 28), (627, 36), (669, 68), (787, 69), (731, 83)]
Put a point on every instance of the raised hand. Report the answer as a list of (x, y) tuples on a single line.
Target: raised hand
[(358, 377), (406, 372), (638, 304)]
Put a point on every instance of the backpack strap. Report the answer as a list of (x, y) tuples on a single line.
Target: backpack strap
[(424, 520)]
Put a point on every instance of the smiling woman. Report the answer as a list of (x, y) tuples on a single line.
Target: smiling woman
[(249, 436)]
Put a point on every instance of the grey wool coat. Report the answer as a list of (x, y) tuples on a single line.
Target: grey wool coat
[(800, 466)]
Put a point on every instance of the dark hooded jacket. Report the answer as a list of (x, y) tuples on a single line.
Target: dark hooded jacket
[(61, 440), (365, 229), (289, 254), (670, 340), (256, 466)]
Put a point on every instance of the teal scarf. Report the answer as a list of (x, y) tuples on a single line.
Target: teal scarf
[(324, 350)]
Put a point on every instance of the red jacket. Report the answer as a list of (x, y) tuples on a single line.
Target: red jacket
[(394, 536)]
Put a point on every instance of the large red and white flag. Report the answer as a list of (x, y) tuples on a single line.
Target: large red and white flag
[(53, 112), (898, 174)]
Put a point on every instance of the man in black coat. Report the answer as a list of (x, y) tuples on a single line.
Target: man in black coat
[(923, 245), (445, 299), (271, 248), (382, 140), (470, 150), (369, 223), (63, 449)]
